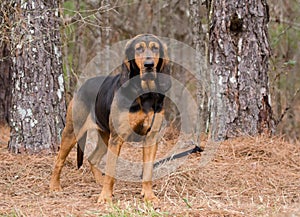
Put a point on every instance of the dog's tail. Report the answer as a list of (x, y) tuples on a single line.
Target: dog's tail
[(80, 150)]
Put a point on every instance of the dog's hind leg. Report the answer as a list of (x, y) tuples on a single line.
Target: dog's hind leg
[(67, 143), (97, 173), (96, 148)]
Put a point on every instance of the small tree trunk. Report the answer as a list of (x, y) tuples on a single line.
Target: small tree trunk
[(38, 103), (199, 45), (5, 94), (106, 32), (5, 63), (239, 58)]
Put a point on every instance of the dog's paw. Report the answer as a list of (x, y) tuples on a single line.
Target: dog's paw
[(104, 198), (149, 197), (55, 187), (153, 199)]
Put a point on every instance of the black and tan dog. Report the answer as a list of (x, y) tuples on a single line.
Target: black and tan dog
[(106, 111)]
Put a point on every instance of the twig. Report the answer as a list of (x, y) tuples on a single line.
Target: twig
[(288, 22)]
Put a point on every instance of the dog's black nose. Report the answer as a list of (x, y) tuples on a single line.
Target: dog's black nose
[(149, 64)]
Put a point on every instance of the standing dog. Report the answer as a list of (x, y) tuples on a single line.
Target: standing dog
[(107, 111)]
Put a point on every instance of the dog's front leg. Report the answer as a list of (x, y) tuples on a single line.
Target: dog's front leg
[(149, 152), (114, 147)]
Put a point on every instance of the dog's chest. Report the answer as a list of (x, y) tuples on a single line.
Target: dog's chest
[(142, 112), (140, 122), (147, 103)]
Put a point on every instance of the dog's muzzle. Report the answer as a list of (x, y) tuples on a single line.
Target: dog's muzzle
[(148, 76), (149, 71)]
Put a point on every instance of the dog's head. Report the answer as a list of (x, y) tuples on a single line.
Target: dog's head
[(146, 57)]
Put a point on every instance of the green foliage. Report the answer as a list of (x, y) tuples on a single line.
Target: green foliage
[(290, 63), (187, 202)]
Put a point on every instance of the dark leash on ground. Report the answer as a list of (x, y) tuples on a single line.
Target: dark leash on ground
[(196, 149)]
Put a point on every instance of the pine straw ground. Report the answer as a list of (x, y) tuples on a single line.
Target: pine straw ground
[(246, 177)]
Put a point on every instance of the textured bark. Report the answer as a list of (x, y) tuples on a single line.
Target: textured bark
[(38, 103), (5, 63), (198, 39), (239, 59)]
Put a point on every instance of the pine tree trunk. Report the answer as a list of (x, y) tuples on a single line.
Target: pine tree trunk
[(199, 45), (38, 103), (239, 64), (5, 63)]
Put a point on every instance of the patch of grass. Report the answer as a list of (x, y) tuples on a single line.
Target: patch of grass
[(141, 210), (187, 203), (13, 213)]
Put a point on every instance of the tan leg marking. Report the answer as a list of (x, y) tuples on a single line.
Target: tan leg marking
[(114, 147), (97, 174), (149, 152)]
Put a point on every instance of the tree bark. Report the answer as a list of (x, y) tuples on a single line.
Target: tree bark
[(38, 103), (198, 41), (5, 63), (239, 64), (5, 95)]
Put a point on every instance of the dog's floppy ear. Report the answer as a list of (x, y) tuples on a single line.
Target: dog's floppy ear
[(164, 80), (126, 68), (125, 73), (129, 67)]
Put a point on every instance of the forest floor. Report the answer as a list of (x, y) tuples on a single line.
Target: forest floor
[(250, 176)]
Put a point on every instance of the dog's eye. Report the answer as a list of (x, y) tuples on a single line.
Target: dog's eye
[(139, 49), (154, 48)]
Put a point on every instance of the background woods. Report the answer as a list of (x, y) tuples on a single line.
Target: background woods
[(188, 21), (89, 26), (86, 27), (284, 71)]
